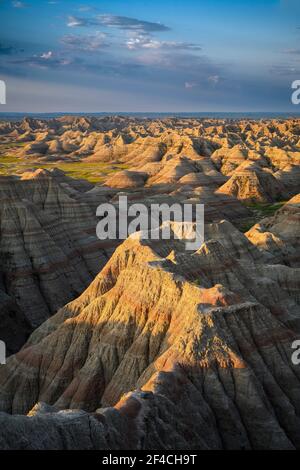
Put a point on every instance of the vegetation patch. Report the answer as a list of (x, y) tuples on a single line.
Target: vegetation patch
[(94, 172), (259, 211)]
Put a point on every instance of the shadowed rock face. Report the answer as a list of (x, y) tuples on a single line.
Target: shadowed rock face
[(205, 338), (14, 326), (48, 249)]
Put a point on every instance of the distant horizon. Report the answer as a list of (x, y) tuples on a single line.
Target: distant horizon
[(145, 111), (120, 112), (256, 115)]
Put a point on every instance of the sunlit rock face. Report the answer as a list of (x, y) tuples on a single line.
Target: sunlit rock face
[(280, 234)]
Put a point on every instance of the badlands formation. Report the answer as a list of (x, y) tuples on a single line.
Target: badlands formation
[(151, 346)]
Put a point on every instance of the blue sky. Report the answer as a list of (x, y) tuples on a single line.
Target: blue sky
[(129, 55)]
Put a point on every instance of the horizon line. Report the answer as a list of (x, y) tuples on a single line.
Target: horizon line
[(147, 112)]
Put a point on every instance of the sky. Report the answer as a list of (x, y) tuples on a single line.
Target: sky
[(149, 56)]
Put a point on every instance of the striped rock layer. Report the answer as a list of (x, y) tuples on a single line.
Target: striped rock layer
[(166, 350)]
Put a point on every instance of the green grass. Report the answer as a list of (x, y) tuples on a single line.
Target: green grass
[(10, 145), (266, 210), (260, 211), (94, 172), (9, 159)]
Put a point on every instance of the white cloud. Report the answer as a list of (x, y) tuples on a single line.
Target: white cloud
[(47, 55), (46, 60), (141, 41), (17, 4), (73, 22), (121, 22), (189, 85), (214, 79)]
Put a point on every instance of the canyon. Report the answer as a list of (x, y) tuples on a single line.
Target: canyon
[(141, 344)]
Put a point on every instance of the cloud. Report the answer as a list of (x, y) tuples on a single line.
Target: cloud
[(146, 42), (214, 79), (74, 21), (113, 67), (179, 60), (292, 51), (126, 23), (17, 4), (45, 60), (285, 70), (189, 85), (49, 60), (47, 55), (6, 50), (90, 43), (121, 22), (85, 8)]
